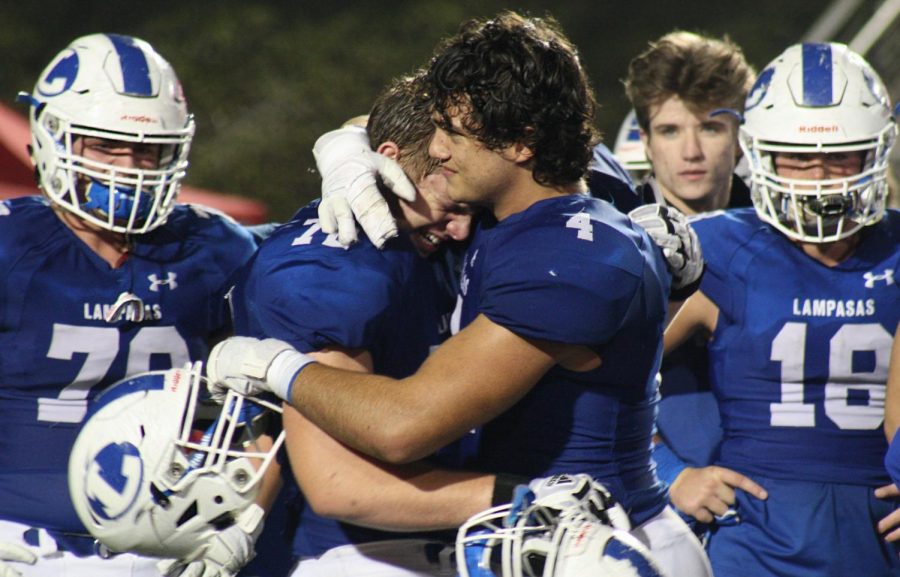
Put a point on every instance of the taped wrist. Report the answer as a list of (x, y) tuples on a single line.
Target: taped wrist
[(284, 369), (505, 487)]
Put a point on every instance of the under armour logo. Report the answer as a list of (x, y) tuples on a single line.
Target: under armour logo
[(872, 278), (156, 282)]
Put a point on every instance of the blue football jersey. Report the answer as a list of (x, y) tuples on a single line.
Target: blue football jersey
[(575, 270), (800, 353), (303, 287), (58, 351)]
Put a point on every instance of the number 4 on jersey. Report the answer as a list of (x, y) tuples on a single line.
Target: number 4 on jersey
[(582, 223)]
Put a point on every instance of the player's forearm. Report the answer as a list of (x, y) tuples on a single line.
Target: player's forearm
[(422, 501), (379, 416)]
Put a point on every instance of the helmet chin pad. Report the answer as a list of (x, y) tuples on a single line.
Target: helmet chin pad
[(121, 202)]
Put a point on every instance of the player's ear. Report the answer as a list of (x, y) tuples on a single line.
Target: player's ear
[(389, 149), (522, 153)]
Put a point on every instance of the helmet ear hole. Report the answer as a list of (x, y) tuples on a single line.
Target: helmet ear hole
[(188, 514), (223, 521)]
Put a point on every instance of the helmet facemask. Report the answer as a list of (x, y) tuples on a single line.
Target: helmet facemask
[(822, 210)]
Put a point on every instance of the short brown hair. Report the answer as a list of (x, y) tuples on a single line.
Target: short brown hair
[(703, 72), (402, 115)]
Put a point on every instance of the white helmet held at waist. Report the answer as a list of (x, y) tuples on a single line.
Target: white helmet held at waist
[(156, 470), (541, 541)]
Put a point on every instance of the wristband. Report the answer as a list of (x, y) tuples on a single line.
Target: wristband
[(284, 370), (680, 294), (505, 487)]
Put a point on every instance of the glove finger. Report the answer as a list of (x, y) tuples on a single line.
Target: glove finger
[(169, 567), (16, 552), (394, 177), (194, 569), (8, 571), (675, 260), (667, 242), (327, 218), (343, 221), (645, 212)]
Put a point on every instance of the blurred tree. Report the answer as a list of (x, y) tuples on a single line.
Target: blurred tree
[(264, 79)]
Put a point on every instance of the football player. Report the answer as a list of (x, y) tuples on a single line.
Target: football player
[(365, 310), (563, 299), (688, 92), (106, 276), (802, 308)]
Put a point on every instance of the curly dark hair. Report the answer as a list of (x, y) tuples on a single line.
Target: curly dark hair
[(518, 79)]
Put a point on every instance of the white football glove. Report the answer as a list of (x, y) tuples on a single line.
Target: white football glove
[(252, 366), (566, 491), (225, 553), (669, 229), (349, 168), (16, 553)]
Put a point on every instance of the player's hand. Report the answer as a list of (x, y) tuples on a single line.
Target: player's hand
[(708, 492), (670, 230), (890, 525), (350, 193), (251, 366), (225, 553), (564, 491), (12, 552)]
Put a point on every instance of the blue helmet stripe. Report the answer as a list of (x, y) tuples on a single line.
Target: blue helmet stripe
[(817, 75), (135, 70)]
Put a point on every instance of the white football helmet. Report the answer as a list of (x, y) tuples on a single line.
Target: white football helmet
[(629, 150), (117, 88), (818, 98), (543, 541), (157, 471)]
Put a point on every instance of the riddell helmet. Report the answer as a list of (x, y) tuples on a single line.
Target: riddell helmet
[(818, 98), (629, 150), (150, 473), (547, 542), (117, 88)]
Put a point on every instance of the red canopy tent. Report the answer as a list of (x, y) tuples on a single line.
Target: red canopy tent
[(17, 174)]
